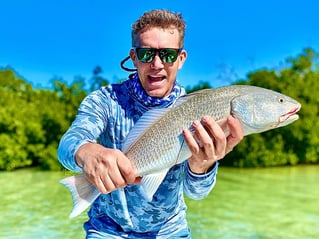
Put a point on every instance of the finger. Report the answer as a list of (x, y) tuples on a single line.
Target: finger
[(196, 135), (126, 169), (116, 177), (122, 171), (236, 133), (204, 139), (137, 180), (106, 177), (190, 141), (107, 184), (215, 133), (104, 185)]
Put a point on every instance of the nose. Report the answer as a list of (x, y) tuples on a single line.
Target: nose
[(157, 62)]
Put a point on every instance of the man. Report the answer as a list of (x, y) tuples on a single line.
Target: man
[(108, 114)]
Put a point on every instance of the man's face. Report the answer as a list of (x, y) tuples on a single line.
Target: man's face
[(157, 77)]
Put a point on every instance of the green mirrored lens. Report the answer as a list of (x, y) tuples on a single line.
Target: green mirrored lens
[(167, 55), (145, 54)]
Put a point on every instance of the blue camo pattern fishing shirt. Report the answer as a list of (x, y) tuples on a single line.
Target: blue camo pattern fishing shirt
[(107, 115)]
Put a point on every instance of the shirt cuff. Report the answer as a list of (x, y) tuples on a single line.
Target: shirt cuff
[(210, 172)]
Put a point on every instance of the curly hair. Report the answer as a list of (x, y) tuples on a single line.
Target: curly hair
[(159, 18)]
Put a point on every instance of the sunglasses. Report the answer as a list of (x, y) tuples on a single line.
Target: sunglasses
[(167, 55)]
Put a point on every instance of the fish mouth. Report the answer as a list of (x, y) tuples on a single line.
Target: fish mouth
[(288, 117)]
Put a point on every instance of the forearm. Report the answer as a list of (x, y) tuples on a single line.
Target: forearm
[(87, 127), (198, 186), (69, 145)]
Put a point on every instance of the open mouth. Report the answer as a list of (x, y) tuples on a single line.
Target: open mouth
[(156, 80), (288, 117)]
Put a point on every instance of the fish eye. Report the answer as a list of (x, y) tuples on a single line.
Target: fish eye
[(281, 100)]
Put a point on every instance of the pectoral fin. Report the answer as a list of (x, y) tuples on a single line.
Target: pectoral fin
[(151, 182), (83, 193)]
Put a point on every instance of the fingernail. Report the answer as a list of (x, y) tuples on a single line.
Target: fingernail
[(205, 119), (196, 123)]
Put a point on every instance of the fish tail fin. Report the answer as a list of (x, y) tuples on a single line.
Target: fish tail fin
[(83, 193)]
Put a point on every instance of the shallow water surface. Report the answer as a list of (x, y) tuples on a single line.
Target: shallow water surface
[(270, 203)]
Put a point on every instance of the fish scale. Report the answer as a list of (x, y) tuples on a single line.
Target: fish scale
[(167, 146)]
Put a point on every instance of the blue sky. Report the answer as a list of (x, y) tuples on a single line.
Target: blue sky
[(63, 38)]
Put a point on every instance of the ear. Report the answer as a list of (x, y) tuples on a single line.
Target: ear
[(182, 58), (133, 57)]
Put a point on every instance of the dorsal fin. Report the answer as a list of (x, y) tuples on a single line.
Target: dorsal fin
[(145, 122), (148, 119)]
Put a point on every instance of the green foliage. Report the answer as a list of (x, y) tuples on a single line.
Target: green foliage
[(97, 79), (200, 86), (32, 121)]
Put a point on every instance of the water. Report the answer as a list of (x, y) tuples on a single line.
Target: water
[(245, 204), (260, 203)]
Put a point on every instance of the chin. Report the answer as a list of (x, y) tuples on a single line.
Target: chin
[(157, 93)]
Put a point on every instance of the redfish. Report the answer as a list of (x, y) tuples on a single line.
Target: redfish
[(156, 143)]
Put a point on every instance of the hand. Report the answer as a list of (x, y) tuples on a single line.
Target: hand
[(108, 169), (209, 142)]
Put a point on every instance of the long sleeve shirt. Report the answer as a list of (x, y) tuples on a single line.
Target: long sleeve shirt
[(106, 116)]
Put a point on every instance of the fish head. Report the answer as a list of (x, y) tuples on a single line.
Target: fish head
[(261, 109)]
